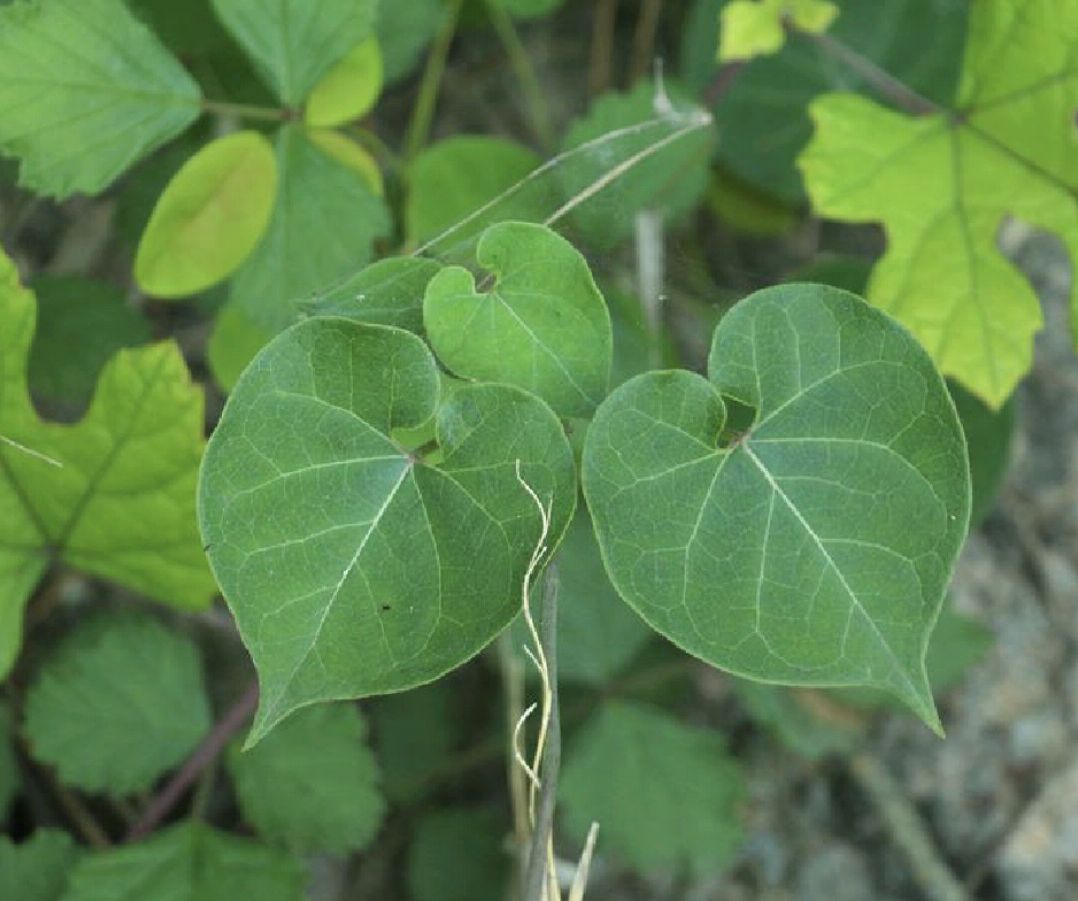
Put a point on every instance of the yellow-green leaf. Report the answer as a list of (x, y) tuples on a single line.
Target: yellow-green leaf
[(121, 502), (943, 184), (349, 89), (345, 150), (753, 28), (209, 218)]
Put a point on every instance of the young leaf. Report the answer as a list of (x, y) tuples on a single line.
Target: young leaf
[(765, 107), (542, 325), (323, 227), (349, 89), (209, 218), (121, 503), (81, 323), (389, 292), (85, 91), (37, 869), (187, 862), (665, 795), (758, 27), (352, 566), (465, 842), (672, 179), (120, 702), (816, 547), (295, 42), (455, 177), (313, 784), (943, 184)]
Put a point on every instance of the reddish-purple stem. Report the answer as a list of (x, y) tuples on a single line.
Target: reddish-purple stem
[(206, 753)]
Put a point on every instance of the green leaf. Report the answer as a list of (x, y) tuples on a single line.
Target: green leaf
[(598, 635), (764, 110), (85, 91), (295, 42), (186, 28), (672, 179), (137, 194), (209, 218), (958, 642), (455, 177), (816, 547), (188, 862), (9, 765), (988, 436), (456, 855), (665, 795), (352, 566), (81, 323), (116, 705), (313, 784), (943, 184), (753, 28), (542, 325), (323, 227), (417, 731), (132, 461), (349, 89), (404, 30), (389, 292), (988, 432), (37, 869)]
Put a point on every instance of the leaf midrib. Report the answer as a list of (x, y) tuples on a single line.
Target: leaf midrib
[(854, 600)]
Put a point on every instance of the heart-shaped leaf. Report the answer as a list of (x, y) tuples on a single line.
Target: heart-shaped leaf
[(353, 566), (814, 548), (542, 326)]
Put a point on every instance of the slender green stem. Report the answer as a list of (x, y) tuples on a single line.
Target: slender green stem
[(429, 88), (246, 111), (534, 98)]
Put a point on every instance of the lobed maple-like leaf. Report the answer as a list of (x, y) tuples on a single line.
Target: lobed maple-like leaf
[(943, 184), (120, 504)]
